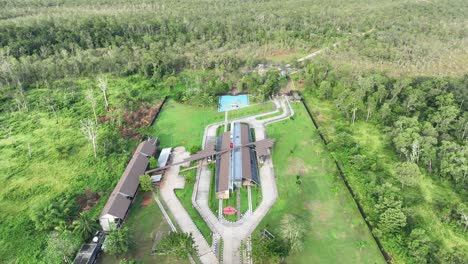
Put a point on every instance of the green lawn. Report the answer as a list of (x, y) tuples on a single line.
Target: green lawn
[(184, 124), (256, 198), (270, 115), (144, 222), (185, 197), (336, 231), (374, 142)]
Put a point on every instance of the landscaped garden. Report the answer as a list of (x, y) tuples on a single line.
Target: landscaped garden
[(313, 195), (190, 121)]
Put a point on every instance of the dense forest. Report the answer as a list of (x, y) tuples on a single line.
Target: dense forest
[(73, 72)]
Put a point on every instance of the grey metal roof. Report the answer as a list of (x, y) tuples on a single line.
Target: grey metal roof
[(223, 170), (164, 157), (262, 146), (118, 204), (236, 155), (156, 178)]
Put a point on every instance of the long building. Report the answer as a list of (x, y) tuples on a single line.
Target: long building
[(237, 164), (119, 202), (223, 164)]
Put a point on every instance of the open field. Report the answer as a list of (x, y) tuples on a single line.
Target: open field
[(184, 125), (144, 221), (424, 197), (336, 231)]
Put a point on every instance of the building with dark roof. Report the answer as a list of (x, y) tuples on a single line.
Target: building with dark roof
[(236, 164), (223, 167), (119, 202)]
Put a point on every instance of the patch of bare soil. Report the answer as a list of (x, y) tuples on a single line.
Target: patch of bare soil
[(280, 52), (147, 199), (87, 200), (297, 167), (319, 210), (137, 119), (132, 121)]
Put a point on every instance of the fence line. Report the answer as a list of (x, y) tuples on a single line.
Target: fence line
[(348, 186)]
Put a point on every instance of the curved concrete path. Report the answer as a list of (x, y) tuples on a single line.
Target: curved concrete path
[(234, 233), (172, 180)]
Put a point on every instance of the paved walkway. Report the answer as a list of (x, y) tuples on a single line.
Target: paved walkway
[(234, 233), (172, 180)]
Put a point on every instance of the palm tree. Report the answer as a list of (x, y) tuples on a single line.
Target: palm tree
[(85, 225)]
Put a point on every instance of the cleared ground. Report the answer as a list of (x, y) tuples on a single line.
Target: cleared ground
[(336, 231)]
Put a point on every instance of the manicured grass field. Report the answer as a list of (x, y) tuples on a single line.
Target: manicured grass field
[(256, 198), (144, 221), (270, 115), (336, 231), (374, 142), (184, 125)]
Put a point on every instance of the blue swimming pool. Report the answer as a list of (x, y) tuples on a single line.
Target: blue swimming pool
[(230, 102)]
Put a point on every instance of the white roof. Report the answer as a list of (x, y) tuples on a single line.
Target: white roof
[(156, 178), (164, 157)]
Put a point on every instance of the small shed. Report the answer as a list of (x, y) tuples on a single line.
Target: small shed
[(164, 157)]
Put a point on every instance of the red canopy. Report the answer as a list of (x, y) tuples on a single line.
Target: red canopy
[(229, 210)]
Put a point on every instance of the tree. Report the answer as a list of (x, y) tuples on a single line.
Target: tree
[(453, 162), (153, 162), (54, 214), (388, 196), (461, 214), (89, 129), (180, 245), (325, 90), (454, 255), (102, 85), (293, 231), (85, 226), (146, 183), (392, 220), (446, 113), (92, 101), (117, 241), (268, 250), (420, 245), (407, 173), (61, 247), (407, 138), (428, 144)]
